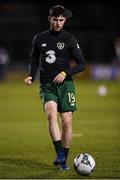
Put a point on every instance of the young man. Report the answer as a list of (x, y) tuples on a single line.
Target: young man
[(52, 52)]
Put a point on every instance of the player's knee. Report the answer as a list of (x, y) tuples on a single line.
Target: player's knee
[(66, 118), (66, 123), (52, 118), (51, 110)]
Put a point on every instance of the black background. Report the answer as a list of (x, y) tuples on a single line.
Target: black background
[(95, 24)]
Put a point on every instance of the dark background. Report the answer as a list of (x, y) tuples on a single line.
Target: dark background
[(94, 23)]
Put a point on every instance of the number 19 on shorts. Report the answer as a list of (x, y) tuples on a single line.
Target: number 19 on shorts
[(71, 98)]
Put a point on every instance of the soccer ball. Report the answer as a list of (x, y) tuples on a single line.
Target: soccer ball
[(102, 90), (84, 164)]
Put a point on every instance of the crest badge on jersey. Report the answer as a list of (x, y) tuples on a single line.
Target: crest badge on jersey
[(60, 45)]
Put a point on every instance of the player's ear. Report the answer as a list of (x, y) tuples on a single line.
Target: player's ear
[(65, 19)]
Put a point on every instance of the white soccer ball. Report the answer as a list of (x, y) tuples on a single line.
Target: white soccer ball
[(84, 164), (102, 90)]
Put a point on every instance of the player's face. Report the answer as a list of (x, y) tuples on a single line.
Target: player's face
[(57, 23)]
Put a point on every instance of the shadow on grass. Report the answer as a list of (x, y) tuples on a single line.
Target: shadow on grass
[(26, 168)]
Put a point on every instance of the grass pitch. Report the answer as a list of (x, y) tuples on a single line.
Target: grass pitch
[(26, 150)]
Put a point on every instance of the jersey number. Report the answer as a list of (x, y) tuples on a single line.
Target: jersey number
[(50, 56)]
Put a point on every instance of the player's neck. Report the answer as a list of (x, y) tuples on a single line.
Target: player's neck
[(55, 32)]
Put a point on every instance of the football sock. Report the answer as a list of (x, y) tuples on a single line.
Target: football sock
[(66, 151), (58, 146)]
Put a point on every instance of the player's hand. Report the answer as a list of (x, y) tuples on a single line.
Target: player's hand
[(28, 80), (60, 77)]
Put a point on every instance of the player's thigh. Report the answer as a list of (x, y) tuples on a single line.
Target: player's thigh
[(50, 107)]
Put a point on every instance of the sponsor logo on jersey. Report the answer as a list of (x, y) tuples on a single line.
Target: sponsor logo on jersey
[(50, 57), (60, 45)]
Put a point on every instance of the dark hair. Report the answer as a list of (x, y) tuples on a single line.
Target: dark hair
[(60, 10)]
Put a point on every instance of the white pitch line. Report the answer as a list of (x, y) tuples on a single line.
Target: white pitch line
[(77, 135)]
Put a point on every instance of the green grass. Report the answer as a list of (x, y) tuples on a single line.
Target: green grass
[(26, 149)]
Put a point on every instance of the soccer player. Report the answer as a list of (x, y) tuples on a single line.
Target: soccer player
[(52, 51)]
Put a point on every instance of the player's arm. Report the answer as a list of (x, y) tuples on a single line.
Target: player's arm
[(77, 56), (34, 62)]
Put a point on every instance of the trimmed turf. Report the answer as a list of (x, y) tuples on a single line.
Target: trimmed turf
[(26, 149)]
